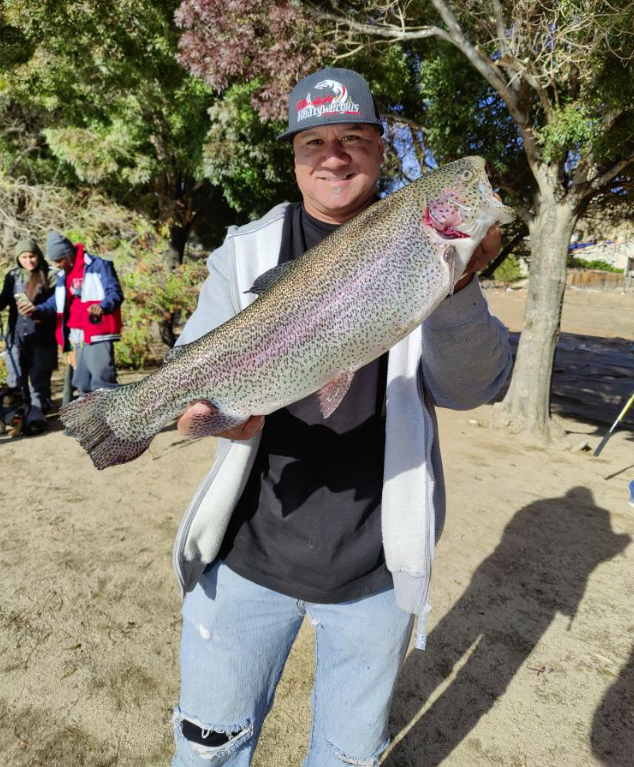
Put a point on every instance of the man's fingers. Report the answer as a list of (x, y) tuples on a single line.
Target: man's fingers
[(487, 250), (252, 426)]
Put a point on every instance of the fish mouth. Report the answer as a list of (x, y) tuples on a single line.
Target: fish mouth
[(447, 233)]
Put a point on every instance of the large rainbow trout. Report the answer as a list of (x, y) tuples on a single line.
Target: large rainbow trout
[(316, 321)]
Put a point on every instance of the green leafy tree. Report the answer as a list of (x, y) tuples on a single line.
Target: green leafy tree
[(242, 156), (250, 53), (110, 101)]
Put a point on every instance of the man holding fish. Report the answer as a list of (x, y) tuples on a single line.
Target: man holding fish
[(323, 339), (330, 507)]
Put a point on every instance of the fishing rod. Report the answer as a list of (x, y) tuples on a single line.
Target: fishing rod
[(608, 433)]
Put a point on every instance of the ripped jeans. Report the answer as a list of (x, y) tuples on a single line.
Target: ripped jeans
[(236, 639)]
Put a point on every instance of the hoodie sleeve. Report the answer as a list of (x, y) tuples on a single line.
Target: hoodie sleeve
[(466, 355), (215, 302), (111, 286), (47, 308)]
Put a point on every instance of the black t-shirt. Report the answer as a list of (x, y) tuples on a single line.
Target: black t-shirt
[(308, 523)]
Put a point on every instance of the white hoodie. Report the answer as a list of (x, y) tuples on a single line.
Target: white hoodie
[(458, 358)]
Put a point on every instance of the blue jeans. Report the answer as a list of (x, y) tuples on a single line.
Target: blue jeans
[(30, 367), (236, 639)]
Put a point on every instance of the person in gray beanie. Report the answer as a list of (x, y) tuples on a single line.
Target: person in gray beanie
[(31, 346), (288, 523), (87, 307)]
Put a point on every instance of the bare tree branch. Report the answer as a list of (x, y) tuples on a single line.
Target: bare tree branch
[(596, 183), (492, 76), (501, 25), (389, 32), (456, 37), (400, 119)]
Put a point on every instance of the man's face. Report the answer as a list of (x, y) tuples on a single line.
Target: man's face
[(337, 167), (64, 263)]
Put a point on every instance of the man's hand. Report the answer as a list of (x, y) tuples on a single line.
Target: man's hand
[(486, 251), (245, 431), (95, 311)]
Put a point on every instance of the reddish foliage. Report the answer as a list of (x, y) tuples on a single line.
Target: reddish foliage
[(237, 41)]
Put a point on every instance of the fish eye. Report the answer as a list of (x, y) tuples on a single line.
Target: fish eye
[(466, 175)]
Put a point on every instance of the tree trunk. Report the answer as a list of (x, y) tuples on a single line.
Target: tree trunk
[(166, 329), (526, 407), (174, 199), (179, 234)]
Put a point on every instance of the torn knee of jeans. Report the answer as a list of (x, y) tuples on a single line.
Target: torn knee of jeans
[(360, 761), (371, 761), (210, 741)]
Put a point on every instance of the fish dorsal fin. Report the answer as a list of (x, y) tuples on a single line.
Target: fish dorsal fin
[(269, 278), (333, 392), (175, 352)]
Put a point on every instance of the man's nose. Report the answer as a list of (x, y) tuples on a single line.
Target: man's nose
[(335, 155)]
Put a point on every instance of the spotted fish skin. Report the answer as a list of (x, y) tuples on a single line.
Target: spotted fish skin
[(338, 307)]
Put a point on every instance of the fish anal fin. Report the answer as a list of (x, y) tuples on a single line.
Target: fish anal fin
[(333, 392), (269, 278)]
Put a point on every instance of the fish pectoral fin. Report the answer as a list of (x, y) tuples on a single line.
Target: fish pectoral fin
[(208, 424), (450, 257), (333, 392), (269, 278)]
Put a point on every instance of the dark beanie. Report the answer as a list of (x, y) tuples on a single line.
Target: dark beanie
[(26, 245), (58, 246)]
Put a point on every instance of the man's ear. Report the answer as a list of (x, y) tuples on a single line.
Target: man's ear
[(381, 144)]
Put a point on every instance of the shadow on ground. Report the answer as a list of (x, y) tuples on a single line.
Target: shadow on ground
[(593, 377), (613, 725), (540, 568)]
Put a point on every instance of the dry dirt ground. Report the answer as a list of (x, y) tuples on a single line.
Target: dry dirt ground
[(530, 659)]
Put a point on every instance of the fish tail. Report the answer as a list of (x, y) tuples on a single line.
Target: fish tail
[(86, 421)]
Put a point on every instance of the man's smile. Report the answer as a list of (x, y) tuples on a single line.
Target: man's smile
[(337, 179)]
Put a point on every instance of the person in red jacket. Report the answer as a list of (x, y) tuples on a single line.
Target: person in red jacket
[(87, 303)]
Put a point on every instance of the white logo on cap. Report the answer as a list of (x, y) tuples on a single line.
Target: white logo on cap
[(337, 102), (341, 94)]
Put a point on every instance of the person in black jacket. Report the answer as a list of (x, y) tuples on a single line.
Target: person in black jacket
[(31, 345)]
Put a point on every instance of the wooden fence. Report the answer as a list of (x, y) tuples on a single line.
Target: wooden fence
[(594, 279)]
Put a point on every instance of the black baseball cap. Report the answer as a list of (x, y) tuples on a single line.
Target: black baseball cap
[(331, 96)]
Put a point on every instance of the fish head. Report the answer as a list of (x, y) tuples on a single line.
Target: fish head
[(460, 207)]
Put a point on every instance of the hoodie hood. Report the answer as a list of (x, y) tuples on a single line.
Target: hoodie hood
[(28, 245)]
